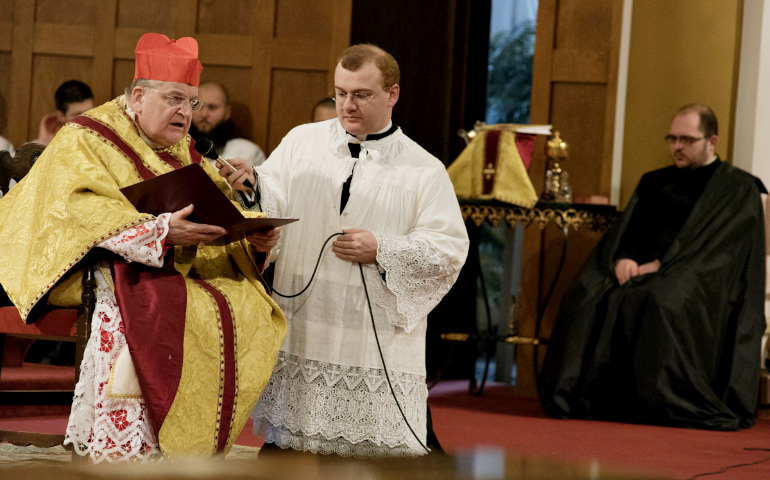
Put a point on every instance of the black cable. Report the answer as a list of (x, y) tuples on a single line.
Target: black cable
[(376, 337), (311, 277), (736, 465), (542, 309), (476, 392), (387, 377)]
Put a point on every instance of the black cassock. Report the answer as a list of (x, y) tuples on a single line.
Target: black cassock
[(678, 347)]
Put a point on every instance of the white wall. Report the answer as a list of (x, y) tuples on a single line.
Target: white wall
[(620, 103), (751, 148), (751, 144)]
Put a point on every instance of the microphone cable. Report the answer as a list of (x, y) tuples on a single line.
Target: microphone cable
[(311, 276), (374, 327)]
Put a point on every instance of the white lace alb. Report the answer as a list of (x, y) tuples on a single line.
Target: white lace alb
[(326, 408), (402, 194), (109, 428)]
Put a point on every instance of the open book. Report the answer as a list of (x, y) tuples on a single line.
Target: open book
[(175, 190)]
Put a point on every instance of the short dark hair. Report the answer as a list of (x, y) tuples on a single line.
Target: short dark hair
[(326, 102), (708, 124), (221, 88), (359, 55), (72, 91)]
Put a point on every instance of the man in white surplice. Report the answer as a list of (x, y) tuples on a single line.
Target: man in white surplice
[(360, 175)]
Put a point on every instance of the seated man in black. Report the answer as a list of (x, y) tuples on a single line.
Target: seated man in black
[(664, 323)]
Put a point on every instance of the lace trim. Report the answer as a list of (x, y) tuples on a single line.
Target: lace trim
[(418, 276), (109, 429), (144, 243), (325, 408), (268, 201), (284, 438)]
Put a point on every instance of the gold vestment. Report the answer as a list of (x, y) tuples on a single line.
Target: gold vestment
[(70, 202)]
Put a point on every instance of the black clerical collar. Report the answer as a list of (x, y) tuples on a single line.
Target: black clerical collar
[(707, 169), (379, 136)]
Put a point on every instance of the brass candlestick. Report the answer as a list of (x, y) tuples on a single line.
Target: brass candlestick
[(557, 188)]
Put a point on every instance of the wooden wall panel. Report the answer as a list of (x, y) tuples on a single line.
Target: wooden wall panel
[(6, 35), (6, 25), (226, 16), (5, 91), (6, 10), (303, 19), (50, 71), (294, 94), (66, 12), (123, 75), (147, 15), (584, 25), (578, 113), (21, 71), (48, 39), (263, 51)]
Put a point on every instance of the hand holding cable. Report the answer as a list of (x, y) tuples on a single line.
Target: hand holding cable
[(356, 245)]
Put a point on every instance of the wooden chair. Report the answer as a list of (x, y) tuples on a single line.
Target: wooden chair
[(61, 324)]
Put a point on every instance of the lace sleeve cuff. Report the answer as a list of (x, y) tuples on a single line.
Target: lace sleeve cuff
[(268, 201), (144, 244), (418, 277)]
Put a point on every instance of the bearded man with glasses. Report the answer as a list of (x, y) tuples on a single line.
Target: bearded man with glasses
[(184, 335), (664, 323), (358, 174)]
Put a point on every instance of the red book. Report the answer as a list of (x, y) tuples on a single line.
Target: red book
[(176, 190)]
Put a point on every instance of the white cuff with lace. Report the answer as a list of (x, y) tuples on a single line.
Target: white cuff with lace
[(144, 243)]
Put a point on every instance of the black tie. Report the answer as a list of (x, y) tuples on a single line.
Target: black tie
[(355, 150)]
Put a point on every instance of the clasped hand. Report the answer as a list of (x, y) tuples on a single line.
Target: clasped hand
[(243, 171), (356, 245), (627, 268)]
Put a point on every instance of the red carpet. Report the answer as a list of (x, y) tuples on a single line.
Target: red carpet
[(502, 419)]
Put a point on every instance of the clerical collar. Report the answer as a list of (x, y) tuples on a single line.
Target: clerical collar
[(388, 130)]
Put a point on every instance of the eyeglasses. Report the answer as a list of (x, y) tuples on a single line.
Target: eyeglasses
[(686, 140), (357, 98), (176, 100)]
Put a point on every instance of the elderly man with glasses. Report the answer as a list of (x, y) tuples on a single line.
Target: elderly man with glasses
[(664, 323), (184, 336), (359, 175)]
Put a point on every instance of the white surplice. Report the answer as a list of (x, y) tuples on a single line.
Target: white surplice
[(328, 392)]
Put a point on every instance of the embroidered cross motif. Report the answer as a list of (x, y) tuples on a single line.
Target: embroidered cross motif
[(312, 370), (489, 171)]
